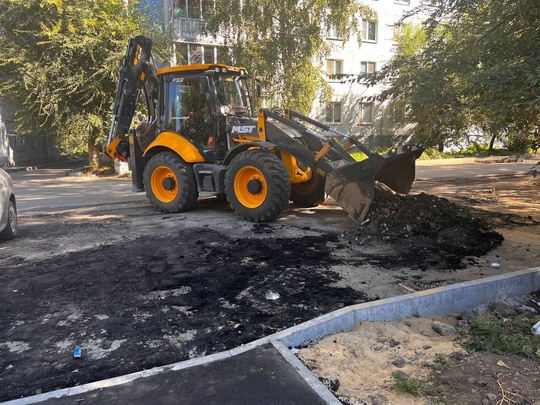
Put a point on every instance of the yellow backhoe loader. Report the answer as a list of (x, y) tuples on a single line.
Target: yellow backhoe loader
[(204, 136)]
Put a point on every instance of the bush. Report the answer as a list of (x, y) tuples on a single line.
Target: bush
[(519, 143)]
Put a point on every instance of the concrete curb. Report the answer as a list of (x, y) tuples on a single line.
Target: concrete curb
[(433, 302)]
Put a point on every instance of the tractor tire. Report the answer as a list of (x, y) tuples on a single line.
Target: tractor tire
[(310, 193), (257, 186), (170, 183), (10, 231)]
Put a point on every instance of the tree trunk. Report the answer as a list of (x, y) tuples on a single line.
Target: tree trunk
[(93, 155), (492, 142), (440, 147)]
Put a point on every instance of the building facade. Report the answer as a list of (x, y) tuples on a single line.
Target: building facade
[(351, 111)]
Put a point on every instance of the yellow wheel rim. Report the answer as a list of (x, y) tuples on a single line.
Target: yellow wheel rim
[(250, 187), (164, 184)]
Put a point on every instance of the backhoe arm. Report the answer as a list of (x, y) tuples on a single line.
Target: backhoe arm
[(135, 69)]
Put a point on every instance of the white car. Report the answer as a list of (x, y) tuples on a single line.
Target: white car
[(8, 207)]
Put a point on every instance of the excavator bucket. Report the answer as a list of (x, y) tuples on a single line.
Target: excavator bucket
[(355, 185)]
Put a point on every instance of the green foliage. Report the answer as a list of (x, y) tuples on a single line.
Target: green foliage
[(472, 64), (74, 135), (496, 336), (358, 156), (60, 63), (408, 385), (281, 40), (519, 143), (434, 153), (473, 150)]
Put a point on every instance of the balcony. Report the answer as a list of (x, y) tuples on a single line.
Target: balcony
[(190, 29), (193, 30)]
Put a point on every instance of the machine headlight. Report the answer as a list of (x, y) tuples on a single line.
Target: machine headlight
[(225, 109)]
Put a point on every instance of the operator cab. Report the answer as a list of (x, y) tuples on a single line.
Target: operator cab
[(201, 102)]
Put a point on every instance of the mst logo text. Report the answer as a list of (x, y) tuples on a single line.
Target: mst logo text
[(242, 129)]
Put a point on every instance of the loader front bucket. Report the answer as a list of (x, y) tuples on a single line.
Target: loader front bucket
[(354, 186)]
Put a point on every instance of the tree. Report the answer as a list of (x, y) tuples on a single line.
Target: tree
[(472, 63), (283, 41), (59, 66)]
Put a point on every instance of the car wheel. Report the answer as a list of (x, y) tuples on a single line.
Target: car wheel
[(10, 231)]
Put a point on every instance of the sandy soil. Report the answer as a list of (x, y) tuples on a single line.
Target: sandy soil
[(135, 288)]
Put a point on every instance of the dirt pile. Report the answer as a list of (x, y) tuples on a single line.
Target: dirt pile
[(427, 230)]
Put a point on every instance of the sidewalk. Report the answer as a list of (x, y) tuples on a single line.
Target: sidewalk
[(259, 376)]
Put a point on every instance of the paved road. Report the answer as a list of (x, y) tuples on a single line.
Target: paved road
[(434, 170), (46, 189)]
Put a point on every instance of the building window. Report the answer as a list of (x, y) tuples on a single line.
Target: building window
[(222, 55), (191, 8), (367, 67), (182, 53), (369, 31), (334, 67), (406, 2), (334, 33), (196, 54), (366, 113), (179, 8), (333, 112), (209, 54), (194, 9), (207, 8)]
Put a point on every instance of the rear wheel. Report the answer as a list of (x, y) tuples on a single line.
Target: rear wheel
[(310, 193), (170, 183), (10, 231), (257, 186)]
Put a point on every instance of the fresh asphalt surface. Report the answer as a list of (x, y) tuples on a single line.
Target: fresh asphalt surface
[(260, 376)]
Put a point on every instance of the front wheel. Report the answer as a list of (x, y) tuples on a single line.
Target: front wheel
[(257, 186), (10, 231), (310, 193), (170, 183)]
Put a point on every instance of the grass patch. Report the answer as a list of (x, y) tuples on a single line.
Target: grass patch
[(475, 150), (512, 336), (408, 385)]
